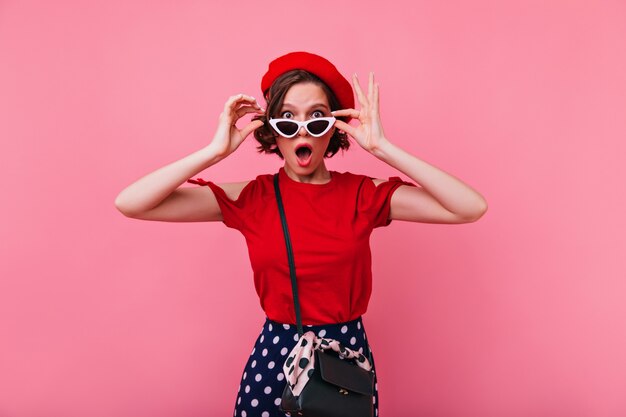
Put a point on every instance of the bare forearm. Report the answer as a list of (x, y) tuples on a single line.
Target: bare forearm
[(151, 189), (451, 192)]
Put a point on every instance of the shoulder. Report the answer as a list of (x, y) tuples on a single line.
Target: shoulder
[(235, 190), (358, 178)]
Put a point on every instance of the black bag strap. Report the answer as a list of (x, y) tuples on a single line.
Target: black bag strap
[(292, 265)]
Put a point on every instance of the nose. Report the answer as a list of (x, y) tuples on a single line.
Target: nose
[(302, 131)]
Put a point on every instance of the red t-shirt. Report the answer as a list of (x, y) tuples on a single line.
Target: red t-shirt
[(329, 225)]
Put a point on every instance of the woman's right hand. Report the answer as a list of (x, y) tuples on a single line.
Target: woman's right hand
[(228, 137)]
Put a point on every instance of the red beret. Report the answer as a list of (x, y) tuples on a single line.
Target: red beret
[(314, 64)]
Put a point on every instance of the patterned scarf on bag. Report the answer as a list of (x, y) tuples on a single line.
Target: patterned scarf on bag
[(301, 361)]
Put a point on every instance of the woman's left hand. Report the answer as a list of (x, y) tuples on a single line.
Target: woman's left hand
[(369, 134)]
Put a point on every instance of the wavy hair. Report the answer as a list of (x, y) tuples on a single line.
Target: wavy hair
[(275, 96)]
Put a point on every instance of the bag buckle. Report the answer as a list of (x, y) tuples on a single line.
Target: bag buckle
[(344, 391)]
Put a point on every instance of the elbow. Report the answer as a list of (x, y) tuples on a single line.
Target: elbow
[(473, 214), (122, 210), (122, 207), (478, 213)]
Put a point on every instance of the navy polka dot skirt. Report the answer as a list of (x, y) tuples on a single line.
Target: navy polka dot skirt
[(263, 381)]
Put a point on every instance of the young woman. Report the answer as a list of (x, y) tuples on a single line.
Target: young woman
[(330, 214)]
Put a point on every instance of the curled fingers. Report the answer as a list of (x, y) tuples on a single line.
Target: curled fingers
[(347, 112), (243, 110), (234, 101), (341, 125)]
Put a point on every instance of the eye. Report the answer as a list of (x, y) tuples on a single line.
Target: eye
[(286, 115), (318, 113)]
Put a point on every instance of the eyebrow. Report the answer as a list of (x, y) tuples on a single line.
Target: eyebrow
[(312, 106)]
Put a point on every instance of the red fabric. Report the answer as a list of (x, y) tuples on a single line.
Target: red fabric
[(329, 224), (314, 64)]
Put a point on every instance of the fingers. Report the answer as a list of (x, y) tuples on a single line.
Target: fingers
[(376, 100), (236, 106), (341, 125), (370, 99), (241, 111), (346, 112), (234, 101), (250, 127), (359, 92), (370, 87)]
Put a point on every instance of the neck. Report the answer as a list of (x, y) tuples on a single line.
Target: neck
[(320, 176)]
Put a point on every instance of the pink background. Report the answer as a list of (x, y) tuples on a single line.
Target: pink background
[(520, 314)]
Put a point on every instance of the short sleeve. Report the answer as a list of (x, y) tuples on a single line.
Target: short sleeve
[(375, 200), (233, 212)]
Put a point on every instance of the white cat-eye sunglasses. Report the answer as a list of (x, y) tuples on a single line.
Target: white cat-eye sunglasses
[(289, 128)]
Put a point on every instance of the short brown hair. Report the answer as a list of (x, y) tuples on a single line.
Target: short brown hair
[(275, 96)]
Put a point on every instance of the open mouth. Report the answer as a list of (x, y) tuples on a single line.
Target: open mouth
[(303, 153)]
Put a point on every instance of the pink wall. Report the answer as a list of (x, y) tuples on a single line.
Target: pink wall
[(519, 314)]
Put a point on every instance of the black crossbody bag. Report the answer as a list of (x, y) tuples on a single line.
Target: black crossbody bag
[(336, 388)]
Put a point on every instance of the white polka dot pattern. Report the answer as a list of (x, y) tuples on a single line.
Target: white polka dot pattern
[(263, 379)]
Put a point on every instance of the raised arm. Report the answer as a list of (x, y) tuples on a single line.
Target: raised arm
[(158, 196), (442, 198)]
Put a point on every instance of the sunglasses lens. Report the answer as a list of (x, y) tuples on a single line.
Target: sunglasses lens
[(287, 128), (317, 127)]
